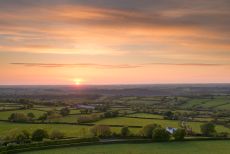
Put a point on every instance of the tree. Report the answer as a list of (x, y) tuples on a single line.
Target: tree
[(64, 111), (101, 131), (18, 117), (168, 115), (160, 134), (56, 134), (43, 117), (179, 134), (30, 115), (208, 129), (125, 131), (39, 135), (23, 137), (17, 136), (148, 129)]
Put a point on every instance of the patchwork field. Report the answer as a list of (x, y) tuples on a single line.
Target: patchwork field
[(164, 123), (4, 115), (69, 130)]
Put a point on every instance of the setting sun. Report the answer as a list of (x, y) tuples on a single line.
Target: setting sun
[(78, 81)]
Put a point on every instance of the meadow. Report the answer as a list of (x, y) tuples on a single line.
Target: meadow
[(190, 147), (164, 123)]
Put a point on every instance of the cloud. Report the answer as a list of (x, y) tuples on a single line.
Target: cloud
[(106, 27), (109, 66), (82, 65)]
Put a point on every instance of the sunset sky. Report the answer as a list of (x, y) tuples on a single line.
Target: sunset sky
[(114, 41)]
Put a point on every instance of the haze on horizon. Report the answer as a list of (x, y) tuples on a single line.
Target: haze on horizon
[(114, 41)]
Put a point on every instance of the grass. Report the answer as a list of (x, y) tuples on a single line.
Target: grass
[(164, 123), (201, 147), (4, 115), (146, 115), (218, 102), (69, 130)]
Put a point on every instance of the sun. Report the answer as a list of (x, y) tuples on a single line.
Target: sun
[(78, 81)]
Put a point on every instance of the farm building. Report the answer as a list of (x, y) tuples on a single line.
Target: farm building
[(170, 130)]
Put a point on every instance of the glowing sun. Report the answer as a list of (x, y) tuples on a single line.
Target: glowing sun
[(78, 81)]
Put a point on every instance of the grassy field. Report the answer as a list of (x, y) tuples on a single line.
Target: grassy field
[(201, 147), (164, 123), (69, 130), (4, 115), (218, 102), (146, 115)]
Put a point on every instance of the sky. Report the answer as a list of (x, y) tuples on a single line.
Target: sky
[(114, 41)]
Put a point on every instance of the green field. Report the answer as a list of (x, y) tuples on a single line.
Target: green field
[(192, 147), (218, 102), (4, 115), (69, 130), (164, 123), (146, 115)]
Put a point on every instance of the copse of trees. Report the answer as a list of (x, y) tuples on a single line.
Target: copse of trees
[(18, 117), (160, 134), (101, 131), (208, 129), (31, 116), (56, 134), (179, 134), (18, 136), (147, 130), (39, 135), (110, 114), (89, 118), (86, 111), (125, 131), (65, 111)]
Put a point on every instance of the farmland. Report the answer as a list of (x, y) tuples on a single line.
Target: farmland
[(71, 116), (204, 147)]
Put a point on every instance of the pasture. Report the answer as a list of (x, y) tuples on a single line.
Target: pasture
[(164, 123), (204, 147), (4, 115)]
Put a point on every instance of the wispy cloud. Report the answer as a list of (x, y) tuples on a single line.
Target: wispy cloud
[(81, 65), (108, 66)]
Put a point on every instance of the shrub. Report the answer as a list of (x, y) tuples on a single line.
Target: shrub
[(43, 117), (125, 131), (101, 131), (30, 115), (179, 134), (18, 117), (160, 134), (64, 111), (89, 118), (55, 134), (39, 135), (208, 129), (148, 130), (17, 136)]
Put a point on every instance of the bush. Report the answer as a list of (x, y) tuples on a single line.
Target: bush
[(160, 134), (208, 129), (101, 131), (43, 117), (30, 115), (18, 117), (64, 111), (55, 134), (179, 134), (39, 135), (125, 131), (148, 130), (17, 136)]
